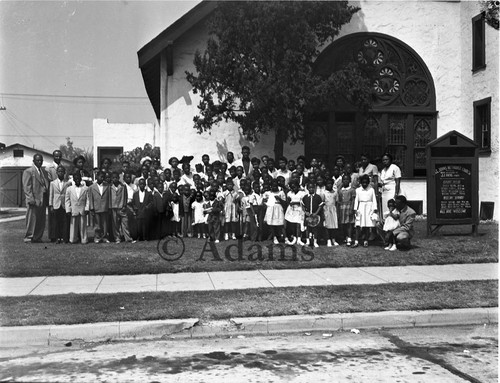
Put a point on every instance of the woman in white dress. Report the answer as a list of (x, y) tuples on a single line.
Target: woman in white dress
[(390, 179)]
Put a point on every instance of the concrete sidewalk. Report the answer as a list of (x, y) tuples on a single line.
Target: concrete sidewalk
[(231, 280)]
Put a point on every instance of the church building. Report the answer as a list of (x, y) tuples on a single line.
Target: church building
[(434, 68)]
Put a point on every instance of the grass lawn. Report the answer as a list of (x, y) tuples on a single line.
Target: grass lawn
[(454, 244), (206, 305)]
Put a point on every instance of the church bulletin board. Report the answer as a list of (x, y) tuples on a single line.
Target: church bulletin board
[(453, 191), (452, 182)]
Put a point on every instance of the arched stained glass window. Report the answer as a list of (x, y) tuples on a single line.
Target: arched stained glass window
[(402, 119)]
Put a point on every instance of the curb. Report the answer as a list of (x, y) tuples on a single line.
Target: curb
[(192, 328)]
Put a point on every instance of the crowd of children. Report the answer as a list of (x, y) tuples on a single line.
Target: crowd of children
[(295, 202)]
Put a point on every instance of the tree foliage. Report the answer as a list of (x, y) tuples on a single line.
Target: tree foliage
[(134, 156), (70, 152), (258, 67)]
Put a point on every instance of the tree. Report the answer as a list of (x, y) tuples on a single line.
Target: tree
[(70, 152), (258, 68), (135, 156)]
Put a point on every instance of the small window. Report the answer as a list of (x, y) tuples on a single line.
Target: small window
[(18, 153), (482, 125), (478, 43)]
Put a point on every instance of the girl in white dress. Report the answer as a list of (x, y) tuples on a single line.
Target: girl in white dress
[(199, 219), (365, 206), (275, 217), (391, 222), (294, 215), (330, 210)]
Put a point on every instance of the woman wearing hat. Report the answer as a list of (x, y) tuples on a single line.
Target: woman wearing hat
[(146, 161)]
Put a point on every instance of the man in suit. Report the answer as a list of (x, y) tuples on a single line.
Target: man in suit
[(52, 168), (36, 187)]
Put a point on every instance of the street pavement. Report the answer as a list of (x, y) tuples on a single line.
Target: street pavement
[(432, 354), (233, 280)]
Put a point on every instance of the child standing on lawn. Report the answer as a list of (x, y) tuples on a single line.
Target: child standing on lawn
[(199, 219), (391, 222), (365, 206), (213, 209), (230, 219), (175, 220), (118, 206), (313, 205), (130, 230), (77, 204), (275, 216), (185, 210), (159, 211), (330, 209), (142, 202), (99, 207), (346, 216), (57, 207), (294, 215)]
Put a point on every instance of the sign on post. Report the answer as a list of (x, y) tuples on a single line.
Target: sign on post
[(452, 182)]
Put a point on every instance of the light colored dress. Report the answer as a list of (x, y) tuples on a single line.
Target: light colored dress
[(364, 205), (199, 217), (274, 211), (390, 223), (295, 213), (388, 180), (230, 208), (330, 209)]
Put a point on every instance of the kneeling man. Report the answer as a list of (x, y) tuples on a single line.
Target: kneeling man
[(405, 231)]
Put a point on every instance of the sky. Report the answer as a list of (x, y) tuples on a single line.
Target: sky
[(79, 50)]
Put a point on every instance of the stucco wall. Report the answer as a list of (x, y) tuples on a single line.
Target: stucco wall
[(180, 138), (130, 136), (438, 31), (477, 86)]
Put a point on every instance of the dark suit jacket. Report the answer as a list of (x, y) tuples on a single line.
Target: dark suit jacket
[(159, 203), (142, 209), (36, 186)]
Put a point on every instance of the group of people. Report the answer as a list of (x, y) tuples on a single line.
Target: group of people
[(287, 201)]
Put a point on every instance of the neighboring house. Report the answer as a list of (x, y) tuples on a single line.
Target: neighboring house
[(113, 139), (14, 159), (434, 65)]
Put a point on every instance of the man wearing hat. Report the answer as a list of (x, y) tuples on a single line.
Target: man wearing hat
[(36, 186)]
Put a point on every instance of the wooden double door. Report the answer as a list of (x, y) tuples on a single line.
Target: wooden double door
[(344, 133)]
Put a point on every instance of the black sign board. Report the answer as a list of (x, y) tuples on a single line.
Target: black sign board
[(453, 191), (452, 182)]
